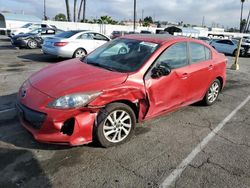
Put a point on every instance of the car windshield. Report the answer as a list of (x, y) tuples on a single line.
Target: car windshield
[(66, 34), (122, 55), (26, 25), (235, 41)]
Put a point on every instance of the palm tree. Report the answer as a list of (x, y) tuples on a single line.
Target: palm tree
[(242, 2), (67, 10), (79, 12), (75, 1), (84, 10)]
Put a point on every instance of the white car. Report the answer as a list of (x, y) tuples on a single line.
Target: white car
[(73, 43), (29, 27), (226, 46)]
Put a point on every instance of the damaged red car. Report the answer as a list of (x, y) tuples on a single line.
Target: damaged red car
[(102, 96)]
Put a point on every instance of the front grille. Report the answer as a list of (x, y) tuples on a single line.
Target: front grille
[(33, 118)]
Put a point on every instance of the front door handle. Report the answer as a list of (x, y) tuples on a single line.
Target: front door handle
[(184, 75)]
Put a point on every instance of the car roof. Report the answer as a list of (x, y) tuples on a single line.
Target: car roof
[(156, 38)]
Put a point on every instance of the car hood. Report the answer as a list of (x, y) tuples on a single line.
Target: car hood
[(74, 76), (22, 35)]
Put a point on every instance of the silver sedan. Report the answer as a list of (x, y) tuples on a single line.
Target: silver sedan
[(75, 43)]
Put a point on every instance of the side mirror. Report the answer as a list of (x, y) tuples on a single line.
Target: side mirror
[(160, 70)]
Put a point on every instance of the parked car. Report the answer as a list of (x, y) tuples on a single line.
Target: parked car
[(145, 32), (245, 44), (75, 43), (116, 34), (226, 46), (102, 96), (33, 39), (205, 39), (29, 27)]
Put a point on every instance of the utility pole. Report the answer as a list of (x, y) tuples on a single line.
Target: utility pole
[(134, 15), (44, 10), (203, 21)]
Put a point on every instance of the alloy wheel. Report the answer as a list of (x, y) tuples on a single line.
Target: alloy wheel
[(117, 126), (32, 44), (213, 92), (80, 53)]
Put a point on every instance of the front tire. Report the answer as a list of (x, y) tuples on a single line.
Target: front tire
[(212, 93), (115, 124)]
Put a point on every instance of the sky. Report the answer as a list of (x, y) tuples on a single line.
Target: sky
[(223, 12)]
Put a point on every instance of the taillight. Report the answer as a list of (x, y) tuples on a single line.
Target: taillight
[(60, 44)]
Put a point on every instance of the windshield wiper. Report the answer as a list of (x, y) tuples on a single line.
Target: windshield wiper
[(102, 66)]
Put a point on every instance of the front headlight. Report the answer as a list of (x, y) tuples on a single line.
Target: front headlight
[(73, 100)]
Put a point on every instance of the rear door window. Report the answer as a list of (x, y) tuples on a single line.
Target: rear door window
[(197, 52), (208, 53)]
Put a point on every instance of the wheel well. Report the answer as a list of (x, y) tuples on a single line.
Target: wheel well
[(132, 105), (221, 81)]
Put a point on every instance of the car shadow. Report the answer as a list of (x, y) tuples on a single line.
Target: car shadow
[(20, 168), (43, 58), (8, 101), (13, 133), (7, 47)]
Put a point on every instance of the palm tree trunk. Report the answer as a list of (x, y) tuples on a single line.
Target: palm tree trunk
[(75, 1), (242, 2), (84, 11), (79, 12), (68, 10)]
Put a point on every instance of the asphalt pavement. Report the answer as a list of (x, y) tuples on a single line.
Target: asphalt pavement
[(153, 156)]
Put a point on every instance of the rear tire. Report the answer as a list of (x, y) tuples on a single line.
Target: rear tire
[(115, 125), (235, 53), (80, 52), (212, 93), (32, 44)]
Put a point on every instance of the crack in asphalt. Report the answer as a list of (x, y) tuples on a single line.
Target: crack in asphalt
[(232, 172), (231, 141), (155, 184)]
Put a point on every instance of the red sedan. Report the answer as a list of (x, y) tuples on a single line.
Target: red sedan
[(128, 80)]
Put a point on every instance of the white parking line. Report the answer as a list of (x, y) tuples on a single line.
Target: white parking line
[(177, 172)]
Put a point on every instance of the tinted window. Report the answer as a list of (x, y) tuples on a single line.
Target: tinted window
[(221, 41), (225, 42), (85, 36), (97, 36), (26, 25), (67, 34), (197, 52), (175, 56)]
